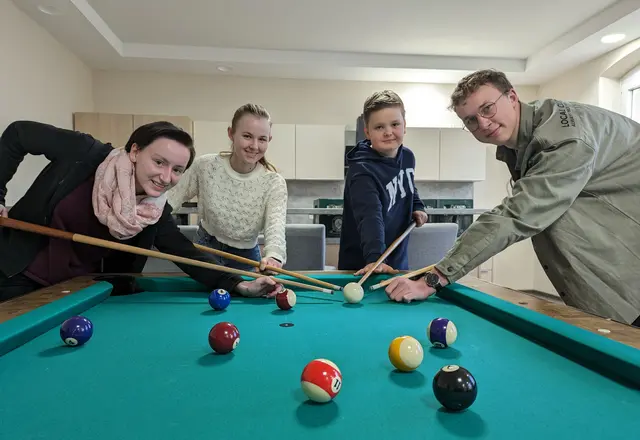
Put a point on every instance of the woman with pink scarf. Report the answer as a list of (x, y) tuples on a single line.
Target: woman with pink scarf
[(94, 189)]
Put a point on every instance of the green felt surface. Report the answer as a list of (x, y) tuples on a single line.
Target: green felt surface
[(148, 373)]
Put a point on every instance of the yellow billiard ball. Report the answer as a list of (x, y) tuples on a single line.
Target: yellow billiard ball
[(406, 353)]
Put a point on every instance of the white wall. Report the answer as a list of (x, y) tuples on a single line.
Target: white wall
[(203, 97), (580, 84), (39, 80), (596, 82)]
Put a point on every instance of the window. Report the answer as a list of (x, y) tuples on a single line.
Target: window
[(631, 94), (635, 104)]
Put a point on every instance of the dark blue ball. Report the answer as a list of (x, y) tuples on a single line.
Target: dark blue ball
[(442, 332), (219, 299), (76, 331)]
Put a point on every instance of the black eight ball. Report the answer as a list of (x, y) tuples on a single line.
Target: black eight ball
[(455, 387)]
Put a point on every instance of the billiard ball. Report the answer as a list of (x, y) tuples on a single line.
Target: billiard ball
[(286, 299), (442, 332), (353, 293), (219, 299), (76, 331), (455, 387), (406, 353), (224, 337), (321, 380)]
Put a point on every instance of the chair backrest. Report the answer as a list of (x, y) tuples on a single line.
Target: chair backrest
[(189, 231), (306, 245), (305, 248), (429, 243)]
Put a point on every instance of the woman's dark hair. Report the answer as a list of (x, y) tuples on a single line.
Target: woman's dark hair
[(144, 135)]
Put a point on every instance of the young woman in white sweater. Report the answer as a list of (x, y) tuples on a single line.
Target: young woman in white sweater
[(240, 194)]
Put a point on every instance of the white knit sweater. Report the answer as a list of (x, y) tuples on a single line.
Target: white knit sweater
[(235, 208)]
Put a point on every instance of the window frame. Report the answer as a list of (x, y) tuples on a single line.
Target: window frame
[(629, 83)]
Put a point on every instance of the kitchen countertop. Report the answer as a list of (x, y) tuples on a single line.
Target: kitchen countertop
[(319, 211), (446, 211)]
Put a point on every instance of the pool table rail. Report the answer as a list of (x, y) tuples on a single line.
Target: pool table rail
[(615, 331)]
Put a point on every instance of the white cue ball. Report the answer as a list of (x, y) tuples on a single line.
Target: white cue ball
[(353, 293)]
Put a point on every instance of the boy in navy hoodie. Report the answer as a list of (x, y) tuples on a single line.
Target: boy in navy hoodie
[(380, 198)]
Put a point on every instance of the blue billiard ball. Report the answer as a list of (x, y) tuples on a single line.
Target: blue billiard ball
[(76, 331), (219, 299), (442, 332)]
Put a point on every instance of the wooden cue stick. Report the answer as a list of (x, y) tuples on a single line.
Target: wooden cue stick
[(79, 238), (271, 268), (387, 252), (406, 275)]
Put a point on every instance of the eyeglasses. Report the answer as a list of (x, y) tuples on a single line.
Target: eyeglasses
[(488, 111)]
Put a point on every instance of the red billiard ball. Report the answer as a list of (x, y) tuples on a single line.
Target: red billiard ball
[(321, 380), (224, 337), (286, 299)]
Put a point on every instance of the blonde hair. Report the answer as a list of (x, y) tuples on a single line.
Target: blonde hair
[(472, 82), (380, 100), (259, 112)]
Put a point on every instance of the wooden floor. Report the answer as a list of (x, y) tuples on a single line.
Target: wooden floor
[(548, 306), (611, 329)]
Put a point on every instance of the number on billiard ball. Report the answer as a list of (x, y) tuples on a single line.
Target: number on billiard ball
[(224, 337), (442, 332), (321, 380), (76, 331), (455, 387), (219, 299), (286, 299)]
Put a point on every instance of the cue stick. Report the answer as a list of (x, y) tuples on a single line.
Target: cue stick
[(271, 268), (390, 249), (79, 238), (406, 275)]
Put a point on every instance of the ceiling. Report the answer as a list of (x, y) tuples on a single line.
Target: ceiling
[(400, 41)]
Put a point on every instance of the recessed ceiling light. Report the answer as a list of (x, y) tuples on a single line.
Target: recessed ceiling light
[(612, 38), (49, 10), (224, 68)]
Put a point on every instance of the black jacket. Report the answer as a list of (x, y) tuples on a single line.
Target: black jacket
[(74, 157)]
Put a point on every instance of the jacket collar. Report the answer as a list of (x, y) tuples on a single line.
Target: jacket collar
[(525, 131), (525, 134), (513, 158)]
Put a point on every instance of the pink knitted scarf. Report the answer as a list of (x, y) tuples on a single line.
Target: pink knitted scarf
[(115, 203)]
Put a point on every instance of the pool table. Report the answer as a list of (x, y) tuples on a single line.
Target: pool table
[(543, 370)]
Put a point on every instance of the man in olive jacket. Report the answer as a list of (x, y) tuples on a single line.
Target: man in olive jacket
[(576, 194)]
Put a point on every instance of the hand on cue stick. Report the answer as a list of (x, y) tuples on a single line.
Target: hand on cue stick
[(390, 249), (79, 238), (406, 275)]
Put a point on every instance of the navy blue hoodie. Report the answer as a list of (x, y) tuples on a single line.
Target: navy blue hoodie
[(379, 199)]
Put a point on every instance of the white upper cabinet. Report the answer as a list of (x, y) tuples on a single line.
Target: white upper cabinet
[(462, 157), (210, 137), (425, 144), (282, 149), (320, 152)]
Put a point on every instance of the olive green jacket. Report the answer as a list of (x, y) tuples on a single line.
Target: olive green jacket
[(576, 193)]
